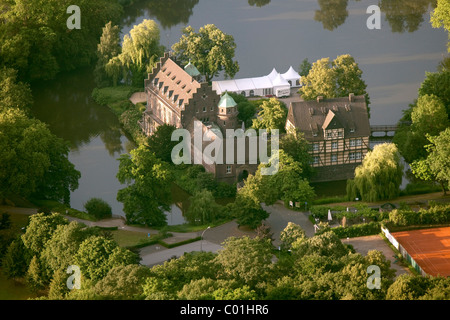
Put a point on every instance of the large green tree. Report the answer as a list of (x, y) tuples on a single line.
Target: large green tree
[(272, 115), (203, 208), (35, 40), (34, 161), (436, 166), (96, 256), (440, 17), (13, 93), (148, 192), (160, 142), (333, 79), (108, 48), (379, 176), (210, 50)]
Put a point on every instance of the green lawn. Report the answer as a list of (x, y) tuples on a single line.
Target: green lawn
[(127, 238)]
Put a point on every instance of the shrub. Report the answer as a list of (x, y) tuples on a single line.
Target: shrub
[(98, 208), (358, 230)]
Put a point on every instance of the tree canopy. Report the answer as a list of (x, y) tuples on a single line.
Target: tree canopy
[(34, 161), (272, 115), (333, 79), (210, 50), (148, 192), (379, 176)]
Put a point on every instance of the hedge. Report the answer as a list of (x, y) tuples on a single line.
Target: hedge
[(358, 230), (438, 214)]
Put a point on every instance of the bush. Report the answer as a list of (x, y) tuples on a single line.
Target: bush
[(358, 230), (98, 208), (438, 214)]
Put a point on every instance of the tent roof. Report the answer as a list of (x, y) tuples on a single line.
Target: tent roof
[(273, 74), (291, 74), (279, 81)]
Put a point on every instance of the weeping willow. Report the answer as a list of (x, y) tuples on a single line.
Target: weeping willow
[(379, 176)]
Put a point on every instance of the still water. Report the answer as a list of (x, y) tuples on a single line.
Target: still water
[(268, 34)]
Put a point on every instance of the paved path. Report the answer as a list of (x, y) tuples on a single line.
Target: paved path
[(280, 216), (138, 97), (157, 254), (363, 245)]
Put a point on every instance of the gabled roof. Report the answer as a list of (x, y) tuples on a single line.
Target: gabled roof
[(169, 80), (331, 121), (311, 117)]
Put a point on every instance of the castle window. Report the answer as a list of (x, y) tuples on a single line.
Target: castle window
[(334, 145), (333, 158), (212, 108), (358, 155), (204, 109), (228, 169)]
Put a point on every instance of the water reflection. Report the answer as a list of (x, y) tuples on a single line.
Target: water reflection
[(332, 13), (169, 13), (258, 3), (65, 104), (402, 15), (405, 15)]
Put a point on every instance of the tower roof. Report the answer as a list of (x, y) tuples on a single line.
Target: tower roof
[(191, 70), (227, 101)]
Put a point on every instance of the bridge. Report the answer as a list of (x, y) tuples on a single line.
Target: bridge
[(383, 128)]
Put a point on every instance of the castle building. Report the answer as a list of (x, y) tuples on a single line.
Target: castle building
[(338, 132), (176, 96)]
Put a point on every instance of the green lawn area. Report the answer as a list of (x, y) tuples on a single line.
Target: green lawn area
[(127, 238)]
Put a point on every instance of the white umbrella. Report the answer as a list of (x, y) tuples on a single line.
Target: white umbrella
[(329, 215)]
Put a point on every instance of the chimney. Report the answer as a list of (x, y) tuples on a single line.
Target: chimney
[(351, 97), (319, 99)]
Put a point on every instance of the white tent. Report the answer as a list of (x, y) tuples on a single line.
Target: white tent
[(292, 76)]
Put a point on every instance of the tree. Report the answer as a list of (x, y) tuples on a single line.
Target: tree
[(140, 51), (40, 229), (98, 208), (13, 93), (210, 50), (379, 176), (202, 208), (34, 276), (97, 255), (247, 212), (35, 40), (258, 3), (296, 146), (34, 161), (246, 260), (290, 234), (436, 166), (108, 48), (246, 109), (304, 67), (161, 144), (58, 286), (408, 287), (440, 17), (429, 116), (333, 79), (148, 192), (271, 116), (437, 84), (123, 282), (16, 260), (61, 248)]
